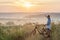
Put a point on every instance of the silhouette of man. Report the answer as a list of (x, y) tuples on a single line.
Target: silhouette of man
[(48, 25)]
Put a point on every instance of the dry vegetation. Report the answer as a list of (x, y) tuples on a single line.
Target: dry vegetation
[(23, 32)]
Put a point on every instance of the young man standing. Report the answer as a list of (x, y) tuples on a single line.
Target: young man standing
[(48, 25)]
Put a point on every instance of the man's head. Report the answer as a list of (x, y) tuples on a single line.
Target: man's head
[(48, 16)]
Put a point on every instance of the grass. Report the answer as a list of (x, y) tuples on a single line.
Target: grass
[(18, 32)]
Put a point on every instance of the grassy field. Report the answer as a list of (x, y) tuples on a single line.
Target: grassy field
[(22, 32)]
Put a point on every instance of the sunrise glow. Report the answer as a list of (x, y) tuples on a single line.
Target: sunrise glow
[(27, 4), (23, 3), (30, 5)]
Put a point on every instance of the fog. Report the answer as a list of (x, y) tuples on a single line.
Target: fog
[(21, 18)]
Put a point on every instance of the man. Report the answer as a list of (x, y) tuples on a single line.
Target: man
[(48, 25), (48, 28)]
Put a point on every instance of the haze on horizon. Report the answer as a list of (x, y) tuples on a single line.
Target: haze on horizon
[(30, 6)]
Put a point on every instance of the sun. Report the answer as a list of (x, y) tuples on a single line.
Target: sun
[(27, 4), (23, 3)]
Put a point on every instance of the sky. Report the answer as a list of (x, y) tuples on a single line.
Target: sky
[(29, 5)]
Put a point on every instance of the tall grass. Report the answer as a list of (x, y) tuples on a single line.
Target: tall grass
[(18, 32)]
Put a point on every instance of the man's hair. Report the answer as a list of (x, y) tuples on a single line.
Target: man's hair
[(48, 16)]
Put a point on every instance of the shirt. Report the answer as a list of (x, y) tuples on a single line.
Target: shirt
[(49, 21)]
